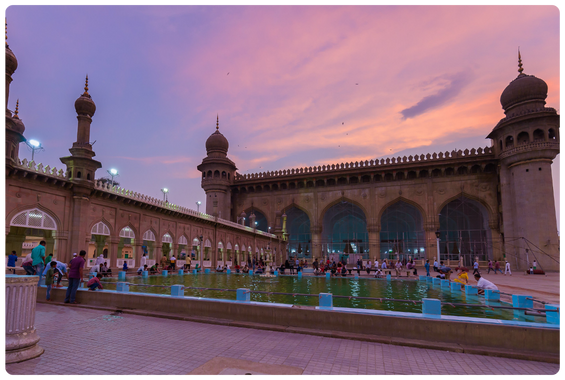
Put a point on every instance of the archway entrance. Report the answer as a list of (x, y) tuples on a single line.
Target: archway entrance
[(195, 252), (182, 251), (298, 230), (260, 221), (126, 249), (464, 231), (149, 245), (166, 245), (344, 232), (207, 263), (229, 255), (27, 229), (402, 233), (98, 243), (221, 258)]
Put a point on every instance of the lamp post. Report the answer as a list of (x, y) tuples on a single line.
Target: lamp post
[(34, 145), (201, 253), (198, 206), (113, 173), (165, 191), (437, 243)]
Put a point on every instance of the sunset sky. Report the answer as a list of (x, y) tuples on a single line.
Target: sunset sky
[(293, 86)]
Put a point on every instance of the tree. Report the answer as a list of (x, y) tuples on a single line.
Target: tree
[(104, 181)]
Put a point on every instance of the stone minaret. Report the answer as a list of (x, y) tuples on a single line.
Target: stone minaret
[(526, 141), (81, 169), (217, 175), (14, 126)]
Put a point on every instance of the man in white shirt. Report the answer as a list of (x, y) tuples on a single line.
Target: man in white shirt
[(483, 284), (143, 261), (99, 261), (376, 263), (507, 269), (436, 265)]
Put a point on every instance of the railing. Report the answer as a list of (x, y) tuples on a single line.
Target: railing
[(39, 168), (372, 163)]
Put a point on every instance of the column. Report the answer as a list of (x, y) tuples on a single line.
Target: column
[(78, 222), (316, 232), (21, 337), (137, 252), (114, 252), (431, 243), (374, 241), (158, 253)]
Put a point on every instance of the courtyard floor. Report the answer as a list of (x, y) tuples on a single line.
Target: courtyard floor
[(82, 341)]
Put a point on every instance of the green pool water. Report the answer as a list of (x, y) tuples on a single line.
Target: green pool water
[(395, 289)]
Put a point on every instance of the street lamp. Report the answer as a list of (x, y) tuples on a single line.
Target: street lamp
[(165, 192), (198, 206), (113, 173), (34, 145), (437, 243)]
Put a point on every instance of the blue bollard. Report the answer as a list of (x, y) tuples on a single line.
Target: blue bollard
[(195, 271), (388, 277), (431, 306), (357, 276), (471, 290), (165, 273), (326, 301), (91, 274), (328, 275), (455, 287), (122, 287), (181, 272), (250, 272), (436, 281), (299, 274), (144, 273), (520, 300), (177, 291), (429, 279), (422, 278), (207, 271), (276, 273), (228, 271), (243, 295), (552, 316), (445, 284), (122, 275), (492, 295)]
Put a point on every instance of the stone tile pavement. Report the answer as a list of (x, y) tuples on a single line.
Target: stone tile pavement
[(81, 341)]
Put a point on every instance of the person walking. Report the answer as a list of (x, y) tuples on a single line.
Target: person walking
[(38, 257), (75, 277), (173, 262), (476, 267), (12, 261), (490, 267), (49, 279), (368, 267), (436, 265), (497, 267), (427, 266), (507, 269)]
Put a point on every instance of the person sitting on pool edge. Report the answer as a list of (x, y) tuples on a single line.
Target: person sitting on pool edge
[(462, 277), (94, 282), (483, 284), (140, 270), (154, 269)]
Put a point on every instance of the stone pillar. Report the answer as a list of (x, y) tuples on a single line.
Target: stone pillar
[(137, 252), (374, 242), (114, 252), (158, 253), (21, 337), (316, 232), (431, 244)]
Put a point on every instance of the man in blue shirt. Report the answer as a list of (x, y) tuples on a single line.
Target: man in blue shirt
[(38, 257), (12, 261)]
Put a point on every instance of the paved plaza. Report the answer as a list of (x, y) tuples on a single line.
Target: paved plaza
[(84, 341)]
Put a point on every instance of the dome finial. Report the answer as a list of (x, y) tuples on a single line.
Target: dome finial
[(520, 69), (17, 108), (86, 86), (217, 122), (4, 32)]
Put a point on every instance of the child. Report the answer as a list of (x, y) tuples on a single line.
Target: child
[(125, 267), (49, 279), (94, 282), (378, 273)]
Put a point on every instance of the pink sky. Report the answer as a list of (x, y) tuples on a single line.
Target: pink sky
[(306, 86)]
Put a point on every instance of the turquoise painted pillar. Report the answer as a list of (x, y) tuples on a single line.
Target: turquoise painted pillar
[(388, 277), (429, 279), (144, 273), (165, 273), (521, 300), (431, 306), (326, 301), (471, 290), (436, 281), (243, 295), (276, 273), (177, 291), (328, 275), (181, 272), (552, 316), (122, 275), (357, 276), (250, 272), (194, 271), (455, 287), (207, 271), (492, 295), (299, 274), (445, 284), (122, 287), (423, 278), (228, 271)]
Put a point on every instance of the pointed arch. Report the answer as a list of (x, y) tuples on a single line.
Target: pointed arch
[(263, 226), (337, 201), (102, 227), (34, 218), (228, 246), (167, 238), (220, 245), (405, 200), (149, 235), (207, 244), (463, 194), (293, 204), (183, 240), (127, 232)]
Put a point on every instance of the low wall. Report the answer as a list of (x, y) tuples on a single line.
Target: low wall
[(535, 343)]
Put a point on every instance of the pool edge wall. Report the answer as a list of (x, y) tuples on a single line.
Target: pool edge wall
[(533, 343)]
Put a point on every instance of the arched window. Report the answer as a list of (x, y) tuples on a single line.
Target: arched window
[(79, 175), (342, 181), (462, 170), (400, 176), (260, 221), (298, 229), (149, 236), (402, 232), (320, 182), (424, 174), (209, 175), (203, 175), (216, 174), (345, 230), (224, 175), (436, 173), (100, 229), (412, 175), (353, 180), (523, 138), (539, 135), (127, 233), (378, 177), (509, 141), (388, 177), (366, 178), (292, 185), (449, 171), (500, 143), (34, 218), (551, 134), (476, 169)]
